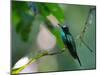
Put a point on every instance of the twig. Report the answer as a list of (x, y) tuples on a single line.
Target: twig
[(81, 35), (17, 70), (86, 45)]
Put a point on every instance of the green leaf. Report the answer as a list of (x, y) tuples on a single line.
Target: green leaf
[(46, 9), (57, 34), (15, 18), (56, 11), (19, 6), (43, 11), (24, 26), (22, 18)]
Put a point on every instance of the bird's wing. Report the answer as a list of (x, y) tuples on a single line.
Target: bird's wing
[(72, 47), (70, 39), (71, 42)]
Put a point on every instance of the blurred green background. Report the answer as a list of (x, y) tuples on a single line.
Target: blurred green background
[(32, 33)]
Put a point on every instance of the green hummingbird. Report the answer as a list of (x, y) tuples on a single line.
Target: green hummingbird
[(69, 42)]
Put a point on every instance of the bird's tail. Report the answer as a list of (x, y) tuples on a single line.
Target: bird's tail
[(79, 61)]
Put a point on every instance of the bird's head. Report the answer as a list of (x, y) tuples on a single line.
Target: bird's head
[(65, 28)]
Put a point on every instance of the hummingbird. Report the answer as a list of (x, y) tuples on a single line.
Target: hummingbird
[(69, 42)]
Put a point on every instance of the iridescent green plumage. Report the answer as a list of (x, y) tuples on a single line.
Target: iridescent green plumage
[(69, 42)]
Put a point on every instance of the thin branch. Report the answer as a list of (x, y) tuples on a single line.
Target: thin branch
[(81, 35), (86, 45), (45, 53)]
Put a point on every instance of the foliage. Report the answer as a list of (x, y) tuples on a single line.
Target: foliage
[(24, 18)]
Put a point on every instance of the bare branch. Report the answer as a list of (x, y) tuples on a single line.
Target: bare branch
[(81, 35)]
